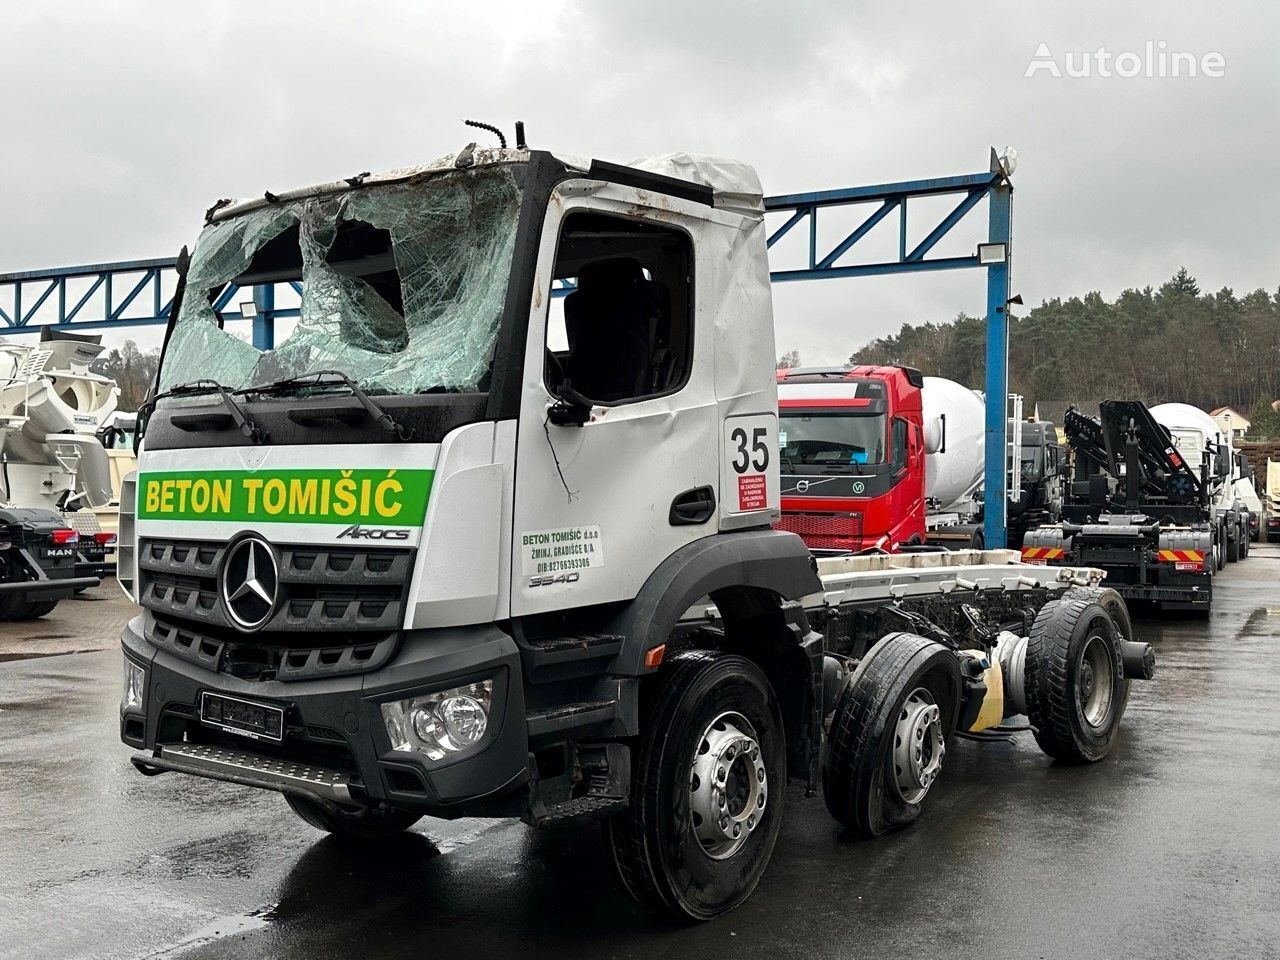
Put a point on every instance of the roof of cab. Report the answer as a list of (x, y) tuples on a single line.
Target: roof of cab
[(734, 184)]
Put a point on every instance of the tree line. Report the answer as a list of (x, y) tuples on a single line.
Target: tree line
[(132, 369), (1171, 343)]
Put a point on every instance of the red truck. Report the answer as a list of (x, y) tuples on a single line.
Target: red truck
[(881, 456)]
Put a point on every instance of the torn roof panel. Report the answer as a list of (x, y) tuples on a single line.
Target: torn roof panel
[(734, 183)]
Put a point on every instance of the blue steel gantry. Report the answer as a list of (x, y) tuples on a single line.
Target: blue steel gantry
[(138, 292)]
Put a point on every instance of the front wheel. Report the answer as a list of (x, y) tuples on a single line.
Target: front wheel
[(1076, 691), (707, 789), (890, 732), (366, 823)]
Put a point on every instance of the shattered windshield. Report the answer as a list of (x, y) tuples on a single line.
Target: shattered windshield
[(401, 286)]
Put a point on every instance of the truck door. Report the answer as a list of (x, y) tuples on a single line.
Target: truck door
[(906, 448), (598, 506)]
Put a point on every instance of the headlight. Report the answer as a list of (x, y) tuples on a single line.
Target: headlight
[(442, 723), (135, 683)]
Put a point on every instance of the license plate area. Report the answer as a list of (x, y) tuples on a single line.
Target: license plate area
[(257, 721)]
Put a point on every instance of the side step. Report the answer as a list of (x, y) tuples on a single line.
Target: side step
[(594, 807), (248, 769)]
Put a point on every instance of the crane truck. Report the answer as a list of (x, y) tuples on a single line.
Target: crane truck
[(1136, 509), (1199, 438), (423, 558), (877, 456)]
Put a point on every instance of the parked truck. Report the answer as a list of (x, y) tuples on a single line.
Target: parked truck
[(427, 557), (1199, 438), (883, 457), (1136, 509), (1271, 503), (51, 472)]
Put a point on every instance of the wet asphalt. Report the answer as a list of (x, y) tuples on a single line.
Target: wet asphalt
[(1169, 848)]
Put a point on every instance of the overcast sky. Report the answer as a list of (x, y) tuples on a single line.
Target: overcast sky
[(125, 120)]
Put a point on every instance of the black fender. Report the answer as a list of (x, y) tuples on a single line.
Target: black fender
[(765, 560), (754, 577)]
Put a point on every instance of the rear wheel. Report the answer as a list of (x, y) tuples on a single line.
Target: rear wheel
[(1076, 692), (366, 823), (708, 784), (890, 732), (18, 607), (1118, 610), (39, 608)]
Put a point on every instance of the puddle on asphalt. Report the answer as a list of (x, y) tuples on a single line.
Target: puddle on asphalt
[(36, 654), (218, 929), (1257, 622)]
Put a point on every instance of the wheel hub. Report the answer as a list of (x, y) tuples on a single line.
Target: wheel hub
[(918, 745), (728, 786), (1094, 682)]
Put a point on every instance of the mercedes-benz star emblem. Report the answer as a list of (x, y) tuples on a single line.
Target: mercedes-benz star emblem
[(249, 582)]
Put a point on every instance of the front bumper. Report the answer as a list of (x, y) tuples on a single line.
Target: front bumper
[(334, 724)]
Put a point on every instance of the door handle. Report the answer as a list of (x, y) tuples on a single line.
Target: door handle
[(693, 507)]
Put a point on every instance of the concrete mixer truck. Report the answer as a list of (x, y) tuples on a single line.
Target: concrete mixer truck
[(53, 471), (882, 456)]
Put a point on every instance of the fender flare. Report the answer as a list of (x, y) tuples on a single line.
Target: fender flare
[(767, 559)]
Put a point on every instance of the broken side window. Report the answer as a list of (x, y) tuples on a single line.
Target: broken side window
[(625, 332)]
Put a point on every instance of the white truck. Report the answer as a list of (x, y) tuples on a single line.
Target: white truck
[(414, 561), (1271, 503), (1204, 443)]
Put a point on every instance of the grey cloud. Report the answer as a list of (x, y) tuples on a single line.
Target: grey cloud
[(127, 119)]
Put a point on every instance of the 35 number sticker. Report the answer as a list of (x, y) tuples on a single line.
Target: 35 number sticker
[(757, 457), (748, 479)]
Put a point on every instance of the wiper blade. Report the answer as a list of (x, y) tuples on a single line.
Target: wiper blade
[(330, 378), (246, 426)]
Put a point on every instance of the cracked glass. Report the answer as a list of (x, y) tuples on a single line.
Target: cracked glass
[(402, 286)]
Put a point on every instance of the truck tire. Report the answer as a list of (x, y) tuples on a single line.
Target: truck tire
[(890, 732), (711, 742), (1115, 606), (15, 606), (1075, 680), (367, 823)]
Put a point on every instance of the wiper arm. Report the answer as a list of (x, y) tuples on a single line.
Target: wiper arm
[(246, 426), (329, 378)]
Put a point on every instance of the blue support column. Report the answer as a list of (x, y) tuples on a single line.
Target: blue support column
[(264, 324), (995, 500)]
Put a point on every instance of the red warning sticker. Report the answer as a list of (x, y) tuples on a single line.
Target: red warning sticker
[(752, 493)]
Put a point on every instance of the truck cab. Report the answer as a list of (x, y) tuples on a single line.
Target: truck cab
[(852, 456), (1040, 479)]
